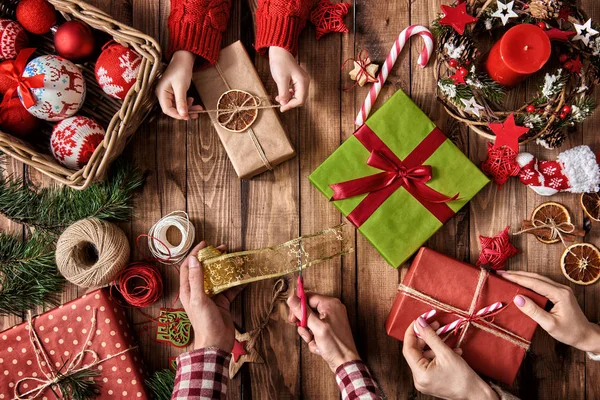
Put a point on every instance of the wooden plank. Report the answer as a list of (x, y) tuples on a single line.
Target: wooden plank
[(377, 25)]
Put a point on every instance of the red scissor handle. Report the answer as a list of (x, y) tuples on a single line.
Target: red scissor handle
[(300, 293)]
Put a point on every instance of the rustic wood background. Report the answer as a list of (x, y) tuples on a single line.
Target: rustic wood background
[(187, 169)]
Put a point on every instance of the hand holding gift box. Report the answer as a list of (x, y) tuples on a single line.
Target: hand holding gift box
[(466, 299)]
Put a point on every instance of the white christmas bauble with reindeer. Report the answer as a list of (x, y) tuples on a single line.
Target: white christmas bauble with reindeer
[(117, 69), (63, 91)]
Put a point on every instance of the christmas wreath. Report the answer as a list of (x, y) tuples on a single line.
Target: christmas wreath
[(563, 97)]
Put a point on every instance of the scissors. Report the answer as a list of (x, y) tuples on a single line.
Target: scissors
[(300, 291)]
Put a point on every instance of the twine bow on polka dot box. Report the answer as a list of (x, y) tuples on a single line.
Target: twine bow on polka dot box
[(88, 338)]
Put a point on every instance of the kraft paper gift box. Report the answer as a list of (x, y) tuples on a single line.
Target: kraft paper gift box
[(265, 144), (400, 179), (63, 333), (494, 346)]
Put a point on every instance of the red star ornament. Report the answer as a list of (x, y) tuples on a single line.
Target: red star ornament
[(458, 78), (328, 17), (238, 350), (244, 351), (576, 65), (457, 17), (508, 133), (501, 164), (496, 250), (557, 34)]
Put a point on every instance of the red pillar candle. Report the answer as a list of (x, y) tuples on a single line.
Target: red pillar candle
[(522, 51)]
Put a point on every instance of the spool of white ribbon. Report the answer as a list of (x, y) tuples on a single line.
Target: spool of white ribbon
[(160, 247)]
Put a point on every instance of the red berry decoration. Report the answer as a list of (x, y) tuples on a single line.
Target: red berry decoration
[(13, 39), (36, 16), (16, 120), (569, 65), (117, 69), (462, 71), (74, 140), (563, 58), (453, 63), (566, 109), (74, 41), (531, 108), (542, 25), (563, 115)]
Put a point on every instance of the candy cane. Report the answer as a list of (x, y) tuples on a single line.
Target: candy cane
[(484, 311), (391, 60), (425, 316)]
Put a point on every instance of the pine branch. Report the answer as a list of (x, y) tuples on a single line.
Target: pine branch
[(53, 209), (80, 385), (161, 384), (28, 274)]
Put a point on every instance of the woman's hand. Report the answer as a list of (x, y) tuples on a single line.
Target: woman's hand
[(565, 322), (441, 371), (292, 81), (328, 333), (210, 317), (172, 88)]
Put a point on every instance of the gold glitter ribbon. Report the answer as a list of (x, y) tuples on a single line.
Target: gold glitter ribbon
[(223, 271)]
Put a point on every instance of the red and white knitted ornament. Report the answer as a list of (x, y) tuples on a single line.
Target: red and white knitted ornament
[(63, 92), (576, 170), (74, 140), (13, 39), (117, 69)]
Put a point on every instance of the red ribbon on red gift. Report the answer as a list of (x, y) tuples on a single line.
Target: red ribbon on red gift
[(14, 71), (409, 173)]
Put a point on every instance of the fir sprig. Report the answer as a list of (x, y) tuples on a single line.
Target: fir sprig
[(54, 208), (80, 385), (161, 383), (28, 274)]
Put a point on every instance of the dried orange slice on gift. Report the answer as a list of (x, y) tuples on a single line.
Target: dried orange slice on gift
[(580, 263), (550, 213), (237, 110), (591, 205)]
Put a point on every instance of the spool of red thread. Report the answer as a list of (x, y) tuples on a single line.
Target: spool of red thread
[(140, 284)]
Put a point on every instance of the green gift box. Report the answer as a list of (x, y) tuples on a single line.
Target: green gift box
[(398, 179)]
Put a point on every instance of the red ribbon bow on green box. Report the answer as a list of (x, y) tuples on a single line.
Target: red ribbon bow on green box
[(409, 173), (14, 71)]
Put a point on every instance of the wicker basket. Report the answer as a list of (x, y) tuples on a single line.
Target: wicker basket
[(120, 118)]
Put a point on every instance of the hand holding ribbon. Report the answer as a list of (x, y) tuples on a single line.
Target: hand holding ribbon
[(13, 70)]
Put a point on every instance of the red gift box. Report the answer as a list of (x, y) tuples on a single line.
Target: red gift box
[(493, 346), (90, 328)]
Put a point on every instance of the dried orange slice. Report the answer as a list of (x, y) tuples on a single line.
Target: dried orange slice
[(548, 213), (237, 110), (591, 205), (580, 263)]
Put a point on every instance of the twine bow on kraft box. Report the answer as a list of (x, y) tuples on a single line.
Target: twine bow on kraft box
[(242, 114), (475, 304)]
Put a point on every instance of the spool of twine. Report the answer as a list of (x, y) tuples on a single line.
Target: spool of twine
[(91, 252)]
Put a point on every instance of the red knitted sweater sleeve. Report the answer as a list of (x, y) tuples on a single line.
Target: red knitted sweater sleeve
[(198, 26), (279, 23)]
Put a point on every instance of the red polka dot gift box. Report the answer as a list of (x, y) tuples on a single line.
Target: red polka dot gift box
[(90, 334)]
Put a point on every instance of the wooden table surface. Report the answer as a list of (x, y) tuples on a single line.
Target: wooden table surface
[(188, 169)]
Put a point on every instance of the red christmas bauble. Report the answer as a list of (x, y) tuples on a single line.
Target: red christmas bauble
[(563, 115), (74, 140), (74, 40), (37, 16), (6, 82), (117, 69), (563, 58), (568, 65), (566, 109), (453, 63), (462, 71), (13, 39), (16, 120), (531, 108), (542, 25)]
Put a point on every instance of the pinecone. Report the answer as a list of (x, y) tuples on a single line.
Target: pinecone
[(552, 139), (545, 9), (455, 40), (8, 8)]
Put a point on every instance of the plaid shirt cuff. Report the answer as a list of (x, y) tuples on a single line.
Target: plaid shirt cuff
[(355, 381), (202, 374)]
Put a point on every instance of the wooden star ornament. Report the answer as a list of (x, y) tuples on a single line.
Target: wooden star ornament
[(329, 17), (508, 133), (457, 17), (364, 72), (244, 351)]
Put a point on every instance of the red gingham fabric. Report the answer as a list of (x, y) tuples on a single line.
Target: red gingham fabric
[(202, 374), (355, 381)]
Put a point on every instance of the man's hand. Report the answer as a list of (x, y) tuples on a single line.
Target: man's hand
[(565, 322), (328, 332), (441, 371), (292, 81), (172, 88), (210, 317)]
